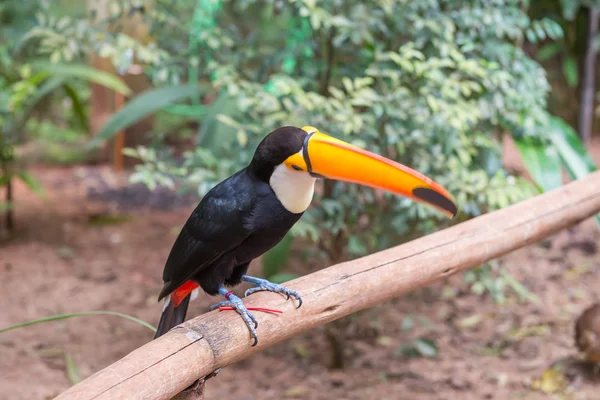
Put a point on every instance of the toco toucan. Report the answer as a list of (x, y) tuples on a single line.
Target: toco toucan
[(251, 211)]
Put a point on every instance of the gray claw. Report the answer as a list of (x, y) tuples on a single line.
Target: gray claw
[(241, 309), (224, 303), (273, 287)]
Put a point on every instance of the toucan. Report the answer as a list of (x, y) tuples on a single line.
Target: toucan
[(248, 213)]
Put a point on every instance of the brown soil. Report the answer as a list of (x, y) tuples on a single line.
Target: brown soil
[(61, 262)]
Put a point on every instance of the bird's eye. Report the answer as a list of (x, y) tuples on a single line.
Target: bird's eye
[(297, 168)]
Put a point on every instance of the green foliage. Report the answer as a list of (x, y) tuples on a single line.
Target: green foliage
[(542, 162), (427, 94), (72, 370), (425, 83), (420, 347), (67, 72), (35, 81), (429, 84), (568, 49), (77, 314), (58, 143), (144, 104), (20, 93), (572, 152), (274, 261), (489, 278), (561, 149), (64, 38), (28, 80), (575, 158), (571, 7)]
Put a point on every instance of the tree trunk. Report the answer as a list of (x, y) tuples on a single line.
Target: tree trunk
[(104, 102), (137, 134), (101, 98), (588, 82), (10, 215), (9, 219)]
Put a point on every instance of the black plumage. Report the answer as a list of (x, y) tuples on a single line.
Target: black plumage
[(235, 222)]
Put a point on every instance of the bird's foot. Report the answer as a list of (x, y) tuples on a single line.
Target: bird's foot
[(238, 305), (263, 284)]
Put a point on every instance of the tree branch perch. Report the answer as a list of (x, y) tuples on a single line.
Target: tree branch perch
[(169, 364)]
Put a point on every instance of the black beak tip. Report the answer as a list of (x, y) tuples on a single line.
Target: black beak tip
[(435, 198)]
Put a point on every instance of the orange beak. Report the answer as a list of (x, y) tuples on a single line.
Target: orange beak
[(331, 158)]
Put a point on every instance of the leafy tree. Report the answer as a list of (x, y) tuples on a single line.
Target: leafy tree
[(24, 83), (565, 59), (431, 84)]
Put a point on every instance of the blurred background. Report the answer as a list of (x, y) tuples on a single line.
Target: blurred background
[(116, 117)]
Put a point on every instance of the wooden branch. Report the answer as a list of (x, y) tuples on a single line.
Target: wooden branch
[(166, 366)]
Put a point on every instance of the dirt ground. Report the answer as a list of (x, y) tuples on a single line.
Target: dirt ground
[(67, 258)]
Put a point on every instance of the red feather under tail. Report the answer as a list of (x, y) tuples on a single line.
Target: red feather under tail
[(175, 308)]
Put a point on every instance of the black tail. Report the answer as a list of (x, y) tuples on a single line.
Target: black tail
[(172, 316)]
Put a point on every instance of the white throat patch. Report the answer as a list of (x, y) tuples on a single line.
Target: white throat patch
[(294, 189)]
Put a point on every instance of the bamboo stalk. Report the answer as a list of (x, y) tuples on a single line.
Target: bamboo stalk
[(164, 367)]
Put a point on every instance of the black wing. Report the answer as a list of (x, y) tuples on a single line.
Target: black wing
[(215, 227)]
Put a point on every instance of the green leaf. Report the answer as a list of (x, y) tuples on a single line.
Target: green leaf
[(242, 138), (85, 72), (276, 259), (72, 370), (543, 164), (519, 288), (288, 65), (187, 110), (470, 321), (78, 106), (77, 314), (426, 347), (571, 72), (213, 132), (573, 153), (31, 182), (356, 246), (547, 51), (47, 87), (143, 105), (407, 323)]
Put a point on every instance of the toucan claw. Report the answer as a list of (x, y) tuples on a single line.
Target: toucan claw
[(237, 304), (265, 285)]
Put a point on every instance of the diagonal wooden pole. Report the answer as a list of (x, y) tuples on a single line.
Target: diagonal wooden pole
[(166, 366)]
